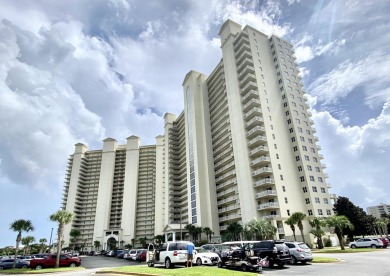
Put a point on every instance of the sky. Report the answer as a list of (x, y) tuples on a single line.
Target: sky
[(81, 71)]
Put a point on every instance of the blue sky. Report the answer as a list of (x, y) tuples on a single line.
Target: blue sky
[(81, 71)]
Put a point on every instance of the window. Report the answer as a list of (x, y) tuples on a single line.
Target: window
[(285, 104), (310, 212), (317, 199), (295, 148), (284, 188), (288, 212), (326, 201), (293, 139), (297, 158), (315, 159), (285, 200), (279, 167), (307, 158), (280, 81), (277, 156), (275, 146), (307, 200), (302, 178), (304, 189), (314, 189), (328, 212), (299, 129), (291, 130), (281, 177), (287, 113), (304, 148), (310, 140), (312, 150), (319, 212), (308, 131), (302, 138), (320, 179), (311, 178), (322, 190), (318, 169), (308, 167), (299, 168), (273, 136), (293, 104)]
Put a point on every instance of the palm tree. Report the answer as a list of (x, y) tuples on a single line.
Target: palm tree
[(133, 242), (234, 229), (20, 226), (63, 217), (208, 233), (191, 230), (26, 242), (298, 217), (381, 224), (316, 230), (339, 223), (74, 234), (96, 244), (259, 229), (142, 241), (122, 242), (43, 245), (159, 239), (291, 222)]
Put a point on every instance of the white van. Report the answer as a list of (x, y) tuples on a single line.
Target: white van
[(168, 254)]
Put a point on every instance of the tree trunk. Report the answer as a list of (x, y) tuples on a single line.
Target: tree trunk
[(295, 238), (319, 242), (303, 237), (18, 239), (341, 241), (59, 240)]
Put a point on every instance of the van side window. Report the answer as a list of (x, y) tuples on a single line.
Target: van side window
[(163, 247), (172, 246)]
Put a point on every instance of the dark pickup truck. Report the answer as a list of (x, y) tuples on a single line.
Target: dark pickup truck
[(276, 251), (50, 261)]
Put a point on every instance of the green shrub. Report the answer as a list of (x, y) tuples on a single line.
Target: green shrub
[(327, 242)]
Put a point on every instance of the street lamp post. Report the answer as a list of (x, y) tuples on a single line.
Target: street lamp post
[(51, 234)]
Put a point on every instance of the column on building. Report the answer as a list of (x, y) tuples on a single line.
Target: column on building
[(103, 205), (130, 189), (160, 181)]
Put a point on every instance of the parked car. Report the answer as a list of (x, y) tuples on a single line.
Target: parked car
[(238, 255), (205, 257), (366, 242), (9, 263), (120, 253), (50, 261), (168, 254), (141, 255), (130, 255), (385, 242), (276, 251), (300, 252)]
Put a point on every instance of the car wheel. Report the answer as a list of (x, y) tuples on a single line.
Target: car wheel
[(373, 246), (244, 267), (72, 265), (24, 266), (168, 263), (199, 261), (220, 265), (353, 246), (281, 265), (150, 264), (293, 260), (39, 267)]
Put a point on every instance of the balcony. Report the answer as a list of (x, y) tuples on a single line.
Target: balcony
[(261, 150), (268, 205), (252, 94), (266, 193), (245, 53), (255, 131), (242, 38), (227, 200), (229, 217), (252, 113), (248, 77), (229, 208), (272, 217), (260, 161), (241, 49), (262, 171), (229, 191), (248, 69), (251, 85), (264, 182), (257, 141), (226, 184), (245, 62), (257, 120), (252, 103)]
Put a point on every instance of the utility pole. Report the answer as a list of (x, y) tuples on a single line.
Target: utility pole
[(51, 235)]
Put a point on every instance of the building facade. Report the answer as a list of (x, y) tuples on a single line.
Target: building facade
[(378, 210), (243, 148)]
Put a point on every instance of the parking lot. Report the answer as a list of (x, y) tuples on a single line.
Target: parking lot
[(357, 264)]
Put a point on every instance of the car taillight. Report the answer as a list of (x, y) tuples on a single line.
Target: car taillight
[(174, 253), (275, 250), (300, 250)]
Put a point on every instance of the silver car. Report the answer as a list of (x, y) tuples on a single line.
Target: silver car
[(366, 242), (300, 252)]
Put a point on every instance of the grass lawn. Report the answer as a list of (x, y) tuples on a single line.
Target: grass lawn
[(347, 250), (179, 271), (40, 271), (322, 260)]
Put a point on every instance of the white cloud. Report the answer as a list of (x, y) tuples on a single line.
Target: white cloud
[(369, 73), (358, 168)]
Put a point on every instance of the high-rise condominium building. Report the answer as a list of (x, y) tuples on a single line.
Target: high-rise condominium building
[(243, 148), (378, 210)]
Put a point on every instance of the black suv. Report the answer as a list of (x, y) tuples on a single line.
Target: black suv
[(276, 251)]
